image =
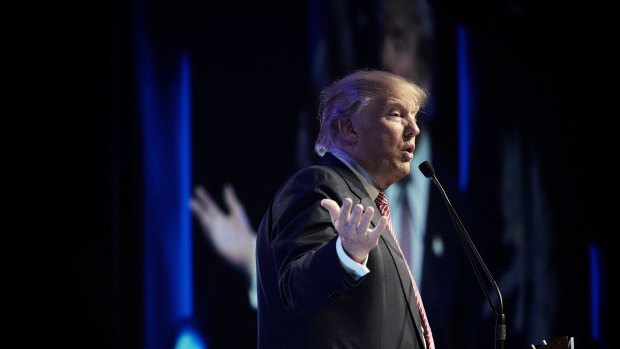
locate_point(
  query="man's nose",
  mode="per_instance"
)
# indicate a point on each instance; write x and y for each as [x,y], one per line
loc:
[412,129]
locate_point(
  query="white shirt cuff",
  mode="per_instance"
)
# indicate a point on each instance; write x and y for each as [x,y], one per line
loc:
[354,268]
[253,292]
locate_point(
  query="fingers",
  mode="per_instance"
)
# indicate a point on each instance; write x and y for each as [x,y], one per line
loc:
[231,200]
[352,221]
[201,194]
[205,210]
[345,212]
[374,233]
[332,207]
[366,218]
[207,201]
[356,218]
[195,206]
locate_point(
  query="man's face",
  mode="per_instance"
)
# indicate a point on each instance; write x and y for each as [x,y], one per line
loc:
[386,132]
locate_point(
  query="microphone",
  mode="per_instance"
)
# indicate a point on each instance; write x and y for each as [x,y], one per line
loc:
[474,258]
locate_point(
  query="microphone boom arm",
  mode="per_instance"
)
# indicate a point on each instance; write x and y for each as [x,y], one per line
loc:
[474,257]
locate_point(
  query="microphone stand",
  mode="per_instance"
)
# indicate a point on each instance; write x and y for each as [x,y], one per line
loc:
[474,258]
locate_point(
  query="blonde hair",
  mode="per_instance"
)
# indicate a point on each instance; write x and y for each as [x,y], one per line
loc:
[350,95]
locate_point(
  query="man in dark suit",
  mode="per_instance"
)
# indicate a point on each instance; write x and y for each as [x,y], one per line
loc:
[330,273]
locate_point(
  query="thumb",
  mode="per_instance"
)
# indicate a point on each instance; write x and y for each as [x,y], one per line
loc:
[333,208]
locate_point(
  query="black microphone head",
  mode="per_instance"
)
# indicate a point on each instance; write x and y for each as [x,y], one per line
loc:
[427,169]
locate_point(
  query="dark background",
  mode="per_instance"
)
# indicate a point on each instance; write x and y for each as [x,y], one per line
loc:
[74,247]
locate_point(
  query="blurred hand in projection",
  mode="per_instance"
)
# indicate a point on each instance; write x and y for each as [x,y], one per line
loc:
[230,233]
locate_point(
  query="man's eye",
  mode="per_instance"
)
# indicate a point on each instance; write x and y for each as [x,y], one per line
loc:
[394,114]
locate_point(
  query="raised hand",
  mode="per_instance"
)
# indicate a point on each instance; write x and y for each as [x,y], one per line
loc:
[231,234]
[353,226]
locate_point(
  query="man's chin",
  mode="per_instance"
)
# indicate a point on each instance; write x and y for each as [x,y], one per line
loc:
[406,170]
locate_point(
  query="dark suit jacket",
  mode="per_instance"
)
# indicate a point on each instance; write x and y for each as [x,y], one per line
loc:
[305,298]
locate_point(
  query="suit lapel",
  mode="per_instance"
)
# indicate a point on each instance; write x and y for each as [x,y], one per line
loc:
[357,188]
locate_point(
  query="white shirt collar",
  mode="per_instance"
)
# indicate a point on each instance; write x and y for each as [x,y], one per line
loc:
[369,183]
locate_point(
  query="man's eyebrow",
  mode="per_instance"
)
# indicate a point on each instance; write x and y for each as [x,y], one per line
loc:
[392,101]
[395,103]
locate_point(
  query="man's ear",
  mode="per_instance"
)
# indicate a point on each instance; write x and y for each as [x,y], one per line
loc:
[347,130]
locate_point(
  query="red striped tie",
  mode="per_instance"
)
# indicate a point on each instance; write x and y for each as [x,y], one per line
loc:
[382,204]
